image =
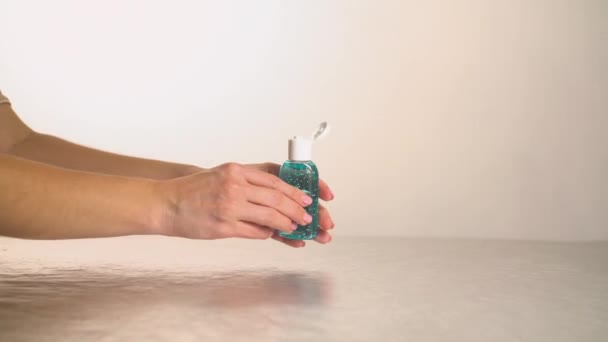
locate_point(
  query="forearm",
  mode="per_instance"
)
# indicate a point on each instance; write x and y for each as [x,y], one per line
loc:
[55,151]
[39,201]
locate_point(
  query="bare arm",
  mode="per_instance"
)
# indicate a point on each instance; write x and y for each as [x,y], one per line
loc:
[53,189]
[19,140]
[41,201]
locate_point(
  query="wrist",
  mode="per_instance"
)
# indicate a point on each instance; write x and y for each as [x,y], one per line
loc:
[186,170]
[164,210]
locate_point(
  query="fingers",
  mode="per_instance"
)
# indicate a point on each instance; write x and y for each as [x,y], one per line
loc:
[278,201]
[323,237]
[266,217]
[325,224]
[249,230]
[267,180]
[325,221]
[325,192]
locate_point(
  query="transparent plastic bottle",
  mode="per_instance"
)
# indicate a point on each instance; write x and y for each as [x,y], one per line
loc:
[301,172]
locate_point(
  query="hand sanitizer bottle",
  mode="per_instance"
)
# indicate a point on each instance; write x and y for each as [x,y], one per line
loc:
[300,171]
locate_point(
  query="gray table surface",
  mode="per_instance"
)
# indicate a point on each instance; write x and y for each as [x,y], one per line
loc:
[355,289]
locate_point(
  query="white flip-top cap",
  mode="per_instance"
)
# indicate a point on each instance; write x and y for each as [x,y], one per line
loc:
[300,148]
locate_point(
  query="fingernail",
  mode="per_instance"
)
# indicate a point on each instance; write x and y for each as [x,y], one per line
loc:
[307,218]
[294,226]
[306,199]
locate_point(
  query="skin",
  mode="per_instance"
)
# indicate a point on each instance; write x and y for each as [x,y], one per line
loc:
[53,189]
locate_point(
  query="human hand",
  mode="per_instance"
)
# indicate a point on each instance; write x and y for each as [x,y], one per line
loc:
[234,200]
[325,221]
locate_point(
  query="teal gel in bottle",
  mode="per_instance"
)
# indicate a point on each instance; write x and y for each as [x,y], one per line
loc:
[301,172]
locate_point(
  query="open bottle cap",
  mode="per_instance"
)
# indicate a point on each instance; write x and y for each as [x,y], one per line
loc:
[300,148]
[321,132]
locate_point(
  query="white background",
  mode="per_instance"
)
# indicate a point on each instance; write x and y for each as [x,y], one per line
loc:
[450,118]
